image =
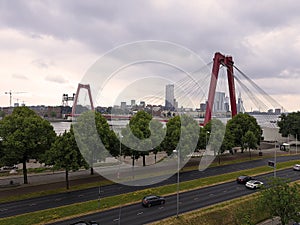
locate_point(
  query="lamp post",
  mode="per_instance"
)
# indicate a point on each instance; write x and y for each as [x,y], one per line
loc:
[275,160]
[120,155]
[207,132]
[177,192]
[296,144]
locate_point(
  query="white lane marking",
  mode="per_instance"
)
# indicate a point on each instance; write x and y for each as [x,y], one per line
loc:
[32,204]
[115,220]
[140,213]
[196,198]
[1,210]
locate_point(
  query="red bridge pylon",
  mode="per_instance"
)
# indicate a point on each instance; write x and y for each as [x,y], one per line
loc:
[227,61]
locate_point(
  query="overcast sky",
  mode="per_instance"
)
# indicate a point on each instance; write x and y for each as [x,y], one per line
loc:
[48,46]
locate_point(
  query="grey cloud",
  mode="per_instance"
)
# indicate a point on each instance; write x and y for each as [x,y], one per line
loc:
[41,63]
[56,79]
[205,27]
[19,76]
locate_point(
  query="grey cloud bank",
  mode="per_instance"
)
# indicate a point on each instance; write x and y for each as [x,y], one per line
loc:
[262,36]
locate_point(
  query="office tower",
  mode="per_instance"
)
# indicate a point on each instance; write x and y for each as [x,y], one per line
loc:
[169,100]
[219,102]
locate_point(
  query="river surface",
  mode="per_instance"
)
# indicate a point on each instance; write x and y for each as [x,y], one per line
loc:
[262,120]
[60,127]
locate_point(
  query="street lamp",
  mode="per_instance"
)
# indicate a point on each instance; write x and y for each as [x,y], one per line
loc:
[207,133]
[177,192]
[275,160]
[120,153]
[296,144]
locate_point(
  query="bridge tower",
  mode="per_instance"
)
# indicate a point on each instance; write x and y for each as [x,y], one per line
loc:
[88,88]
[227,61]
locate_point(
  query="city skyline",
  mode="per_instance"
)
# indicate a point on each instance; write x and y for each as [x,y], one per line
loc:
[47,47]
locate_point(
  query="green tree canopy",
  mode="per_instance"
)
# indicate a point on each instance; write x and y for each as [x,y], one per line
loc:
[238,126]
[136,136]
[94,137]
[289,124]
[64,154]
[182,135]
[25,135]
[281,199]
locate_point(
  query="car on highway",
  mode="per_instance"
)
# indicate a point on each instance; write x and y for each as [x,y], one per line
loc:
[296,167]
[151,200]
[81,222]
[254,184]
[243,179]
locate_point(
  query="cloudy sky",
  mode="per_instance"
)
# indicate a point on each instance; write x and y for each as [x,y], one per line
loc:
[48,46]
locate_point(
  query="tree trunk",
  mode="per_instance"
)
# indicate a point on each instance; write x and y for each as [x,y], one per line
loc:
[155,158]
[92,171]
[67,179]
[25,172]
[133,158]
[144,160]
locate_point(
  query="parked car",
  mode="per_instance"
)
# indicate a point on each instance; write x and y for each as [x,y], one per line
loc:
[151,200]
[254,184]
[82,222]
[296,167]
[243,179]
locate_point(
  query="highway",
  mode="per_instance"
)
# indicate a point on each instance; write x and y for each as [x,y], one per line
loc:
[136,214]
[56,200]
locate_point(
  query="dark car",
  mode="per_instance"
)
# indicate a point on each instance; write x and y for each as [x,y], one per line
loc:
[151,200]
[85,223]
[243,179]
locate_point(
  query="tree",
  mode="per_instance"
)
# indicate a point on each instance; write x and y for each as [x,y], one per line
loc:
[64,154]
[157,136]
[289,124]
[250,141]
[94,137]
[281,199]
[136,136]
[237,128]
[172,135]
[25,135]
[182,134]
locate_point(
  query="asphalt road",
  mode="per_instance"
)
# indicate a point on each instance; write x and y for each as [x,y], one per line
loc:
[56,200]
[136,214]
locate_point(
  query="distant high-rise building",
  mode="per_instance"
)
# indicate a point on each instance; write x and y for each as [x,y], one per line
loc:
[123,105]
[169,101]
[175,105]
[202,107]
[240,106]
[142,104]
[132,102]
[277,111]
[219,102]
[226,104]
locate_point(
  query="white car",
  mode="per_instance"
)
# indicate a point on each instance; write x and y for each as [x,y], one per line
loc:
[296,167]
[253,184]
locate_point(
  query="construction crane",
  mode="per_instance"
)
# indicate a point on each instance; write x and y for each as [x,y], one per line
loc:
[10,93]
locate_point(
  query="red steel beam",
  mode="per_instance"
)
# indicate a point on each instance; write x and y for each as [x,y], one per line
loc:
[228,62]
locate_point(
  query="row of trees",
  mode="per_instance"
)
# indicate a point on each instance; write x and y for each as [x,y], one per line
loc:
[25,135]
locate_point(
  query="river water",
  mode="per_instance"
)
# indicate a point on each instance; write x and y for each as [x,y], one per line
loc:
[60,127]
[262,120]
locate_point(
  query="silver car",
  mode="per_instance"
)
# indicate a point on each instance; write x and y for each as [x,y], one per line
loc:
[254,184]
[296,167]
